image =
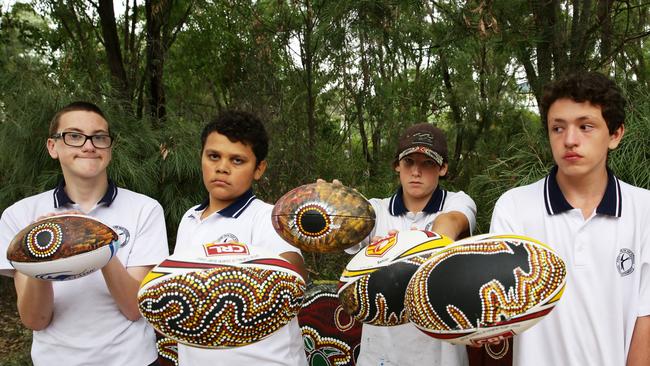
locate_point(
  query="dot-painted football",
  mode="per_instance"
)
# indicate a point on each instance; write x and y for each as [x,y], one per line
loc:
[62,247]
[323,217]
[485,288]
[373,284]
[223,301]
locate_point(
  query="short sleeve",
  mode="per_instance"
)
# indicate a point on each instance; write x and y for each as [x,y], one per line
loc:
[150,245]
[502,219]
[265,235]
[463,203]
[9,227]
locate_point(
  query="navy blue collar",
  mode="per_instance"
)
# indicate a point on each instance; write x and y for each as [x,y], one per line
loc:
[234,209]
[397,207]
[61,198]
[556,203]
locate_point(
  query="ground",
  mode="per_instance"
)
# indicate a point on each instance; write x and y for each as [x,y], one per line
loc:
[15,340]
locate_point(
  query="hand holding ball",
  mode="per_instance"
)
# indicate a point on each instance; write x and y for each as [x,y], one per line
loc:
[62,247]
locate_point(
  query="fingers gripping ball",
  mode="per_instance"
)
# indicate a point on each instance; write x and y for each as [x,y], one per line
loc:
[485,288]
[323,217]
[224,303]
[62,247]
[372,286]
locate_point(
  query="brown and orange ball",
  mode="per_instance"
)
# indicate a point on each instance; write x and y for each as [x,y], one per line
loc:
[323,217]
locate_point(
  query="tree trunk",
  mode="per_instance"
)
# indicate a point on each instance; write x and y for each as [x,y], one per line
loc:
[156,16]
[453,104]
[113,50]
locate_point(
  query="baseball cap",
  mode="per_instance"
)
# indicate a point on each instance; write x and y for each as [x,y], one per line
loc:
[423,138]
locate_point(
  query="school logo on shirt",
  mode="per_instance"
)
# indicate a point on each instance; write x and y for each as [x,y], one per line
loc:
[625,262]
[227,238]
[123,235]
[216,248]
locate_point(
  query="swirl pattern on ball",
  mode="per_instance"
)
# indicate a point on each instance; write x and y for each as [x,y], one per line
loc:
[538,279]
[222,307]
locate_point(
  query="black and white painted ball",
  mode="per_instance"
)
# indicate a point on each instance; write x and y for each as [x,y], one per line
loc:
[373,284]
[485,288]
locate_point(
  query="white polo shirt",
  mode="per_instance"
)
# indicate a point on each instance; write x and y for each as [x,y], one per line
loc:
[405,345]
[608,270]
[87,328]
[247,220]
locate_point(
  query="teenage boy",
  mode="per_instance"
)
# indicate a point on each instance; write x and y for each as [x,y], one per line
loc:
[419,203]
[234,148]
[93,320]
[598,224]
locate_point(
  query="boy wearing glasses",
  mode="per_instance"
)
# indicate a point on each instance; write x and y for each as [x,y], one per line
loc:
[93,320]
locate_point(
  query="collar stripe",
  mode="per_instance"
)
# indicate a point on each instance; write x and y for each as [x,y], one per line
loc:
[435,204]
[61,198]
[547,197]
[611,204]
[234,209]
[248,202]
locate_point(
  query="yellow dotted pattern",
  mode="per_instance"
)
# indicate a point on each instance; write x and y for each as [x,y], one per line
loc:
[224,306]
[44,250]
[546,277]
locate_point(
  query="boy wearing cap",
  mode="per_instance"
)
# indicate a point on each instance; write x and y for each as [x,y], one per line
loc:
[596,223]
[419,203]
[92,320]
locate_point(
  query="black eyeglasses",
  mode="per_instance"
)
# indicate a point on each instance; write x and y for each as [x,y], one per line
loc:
[76,139]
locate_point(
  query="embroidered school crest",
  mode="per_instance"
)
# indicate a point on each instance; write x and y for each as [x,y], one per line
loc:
[625,262]
[123,234]
[227,238]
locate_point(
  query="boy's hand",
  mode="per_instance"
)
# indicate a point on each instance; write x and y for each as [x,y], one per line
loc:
[335,182]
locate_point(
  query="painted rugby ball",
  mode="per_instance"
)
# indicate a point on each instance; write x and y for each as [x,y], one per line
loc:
[323,217]
[225,301]
[485,288]
[331,336]
[373,284]
[62,247]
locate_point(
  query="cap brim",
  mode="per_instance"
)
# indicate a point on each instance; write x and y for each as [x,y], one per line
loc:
[422,150]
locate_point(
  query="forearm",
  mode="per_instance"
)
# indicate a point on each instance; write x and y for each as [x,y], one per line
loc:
[35,301]
[123,285]
[453,224]
[639,354]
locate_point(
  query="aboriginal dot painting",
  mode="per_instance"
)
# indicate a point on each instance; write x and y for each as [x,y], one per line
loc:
[323,217]
[167,350]
[222,307]
[500,280]
[59,237]
[331,336]
[44,240]
[378,299]
[312,220]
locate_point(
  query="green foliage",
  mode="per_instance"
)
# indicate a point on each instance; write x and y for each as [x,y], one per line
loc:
[335,82]
[524,160]
[630,161]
